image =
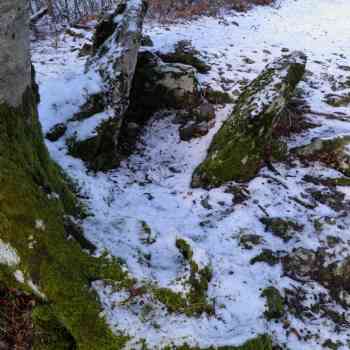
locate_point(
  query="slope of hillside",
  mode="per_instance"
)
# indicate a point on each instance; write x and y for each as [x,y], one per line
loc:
[146,214]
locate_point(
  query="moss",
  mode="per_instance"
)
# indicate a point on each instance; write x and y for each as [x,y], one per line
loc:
[217,97]
[195,302]
[184,248]
[267,256]
[281,228]
[148,236]
[184,53]
[49,334]
[329,344]
[274,303]
[33,224]
[261,342]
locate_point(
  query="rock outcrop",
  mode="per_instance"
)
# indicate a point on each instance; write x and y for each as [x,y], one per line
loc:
[115,51]
[245,140]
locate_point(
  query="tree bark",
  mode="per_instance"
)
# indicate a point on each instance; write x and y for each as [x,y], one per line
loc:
[15,74]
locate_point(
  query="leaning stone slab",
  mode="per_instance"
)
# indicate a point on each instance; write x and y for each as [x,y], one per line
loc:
[239,148]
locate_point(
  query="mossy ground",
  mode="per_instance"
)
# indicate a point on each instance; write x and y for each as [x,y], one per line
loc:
[274,303]
[195,302]
[33,201]
[262,342]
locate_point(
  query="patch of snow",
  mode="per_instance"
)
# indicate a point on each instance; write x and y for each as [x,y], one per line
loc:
[8,255]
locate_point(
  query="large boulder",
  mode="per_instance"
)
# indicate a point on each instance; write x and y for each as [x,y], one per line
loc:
[115,51]
[164,85]
[240,147]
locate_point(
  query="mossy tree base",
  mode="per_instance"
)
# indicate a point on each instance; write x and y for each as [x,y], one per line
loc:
[245,141]
[35,254]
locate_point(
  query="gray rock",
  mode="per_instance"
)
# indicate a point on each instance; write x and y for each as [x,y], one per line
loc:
[115,49]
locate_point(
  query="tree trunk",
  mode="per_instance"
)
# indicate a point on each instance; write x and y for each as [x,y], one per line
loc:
[35,254]
[15,75]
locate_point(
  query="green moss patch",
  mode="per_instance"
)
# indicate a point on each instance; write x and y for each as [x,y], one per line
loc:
[195,302]
[261,342]
[274,303]
[282,228]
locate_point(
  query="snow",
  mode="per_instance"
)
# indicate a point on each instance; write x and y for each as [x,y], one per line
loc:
[8,255]
[146,189]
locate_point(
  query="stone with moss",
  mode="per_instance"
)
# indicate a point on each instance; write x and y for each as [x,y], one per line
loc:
[338,100]
[274,303]
[217,97]
[116,44]
[56,132]
[332,152]
[249,240]
[184,248]
[282,228]
[243,143]
[266,256]
[186,54]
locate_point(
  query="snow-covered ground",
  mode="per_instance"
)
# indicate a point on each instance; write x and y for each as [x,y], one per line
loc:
[152,187]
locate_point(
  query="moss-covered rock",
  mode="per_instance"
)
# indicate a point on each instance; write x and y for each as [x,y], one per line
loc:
[35,252]
[332,152]
[282,228]
[185,53]
[245,140]
[338,100]
[100,151]
[266,256]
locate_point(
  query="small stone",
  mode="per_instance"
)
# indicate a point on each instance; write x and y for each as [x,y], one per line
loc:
[193,130]
[56,132]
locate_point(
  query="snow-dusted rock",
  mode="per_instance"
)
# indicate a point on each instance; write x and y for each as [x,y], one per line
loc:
[239,148]
[115,50]
[165,85]
[333,152]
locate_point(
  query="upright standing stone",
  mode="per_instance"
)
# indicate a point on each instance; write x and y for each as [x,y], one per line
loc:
[238,149]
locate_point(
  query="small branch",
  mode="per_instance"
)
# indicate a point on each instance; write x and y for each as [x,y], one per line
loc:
[37,16]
